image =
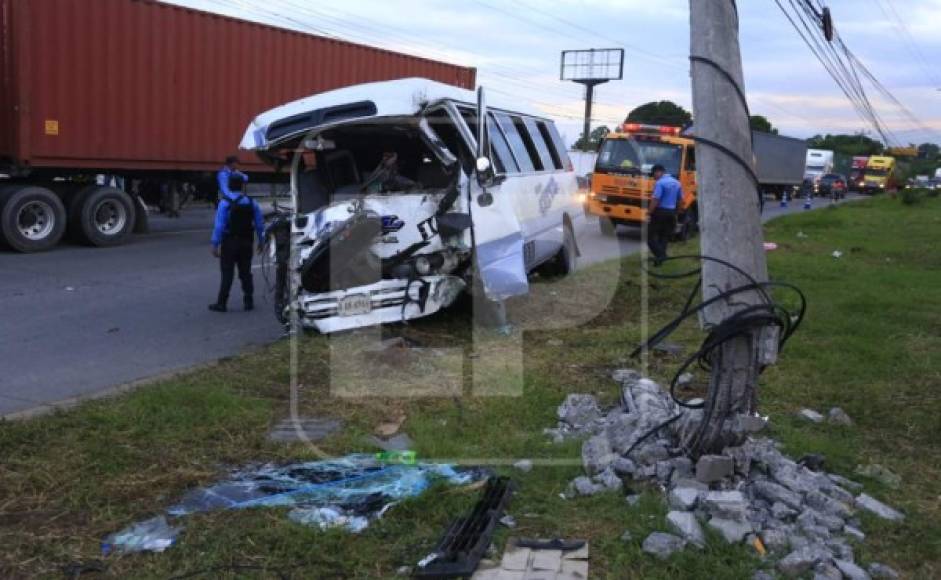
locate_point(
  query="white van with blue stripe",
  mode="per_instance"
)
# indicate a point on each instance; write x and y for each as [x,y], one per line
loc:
[402,200]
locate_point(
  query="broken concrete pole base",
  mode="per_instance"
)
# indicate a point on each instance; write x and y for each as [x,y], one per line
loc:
[805,518]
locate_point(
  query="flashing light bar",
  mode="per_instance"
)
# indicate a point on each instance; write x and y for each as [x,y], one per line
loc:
[641,128]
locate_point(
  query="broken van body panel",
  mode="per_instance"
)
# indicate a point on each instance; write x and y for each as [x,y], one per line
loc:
[391,219]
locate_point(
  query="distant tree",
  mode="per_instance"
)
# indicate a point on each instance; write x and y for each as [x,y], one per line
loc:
[660,113]
[928,151]
[594,139]
[857,144]
[761,123]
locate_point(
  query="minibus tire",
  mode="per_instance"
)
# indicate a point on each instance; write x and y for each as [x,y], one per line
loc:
[607,226]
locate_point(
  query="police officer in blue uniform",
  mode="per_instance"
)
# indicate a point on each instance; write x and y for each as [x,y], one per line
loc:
[667,194]
[238,225]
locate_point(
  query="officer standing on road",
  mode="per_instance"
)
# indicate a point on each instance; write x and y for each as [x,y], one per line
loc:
[238,224]
[667,194]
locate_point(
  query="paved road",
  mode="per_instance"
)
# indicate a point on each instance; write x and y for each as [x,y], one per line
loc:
[79,320]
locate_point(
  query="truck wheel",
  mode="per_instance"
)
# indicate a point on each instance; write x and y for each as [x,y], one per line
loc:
[102,216]
[32,219]
[607,226]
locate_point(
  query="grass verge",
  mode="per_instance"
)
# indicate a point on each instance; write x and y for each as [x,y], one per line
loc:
[869,345]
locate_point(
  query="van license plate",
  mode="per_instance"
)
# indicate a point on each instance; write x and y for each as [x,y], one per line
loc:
[355,304]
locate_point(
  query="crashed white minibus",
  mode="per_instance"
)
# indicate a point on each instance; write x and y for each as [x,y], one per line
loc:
[402,200]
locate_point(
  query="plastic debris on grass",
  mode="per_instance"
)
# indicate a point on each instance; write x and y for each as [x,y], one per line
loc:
[770,246]
[837,254]
[153,535]
[347,492]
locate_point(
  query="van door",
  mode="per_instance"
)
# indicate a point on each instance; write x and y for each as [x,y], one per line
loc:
[498,237]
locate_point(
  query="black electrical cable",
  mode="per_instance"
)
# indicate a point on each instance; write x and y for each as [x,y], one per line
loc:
[747,321]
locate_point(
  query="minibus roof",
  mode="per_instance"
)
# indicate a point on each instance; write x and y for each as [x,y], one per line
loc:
[397,98]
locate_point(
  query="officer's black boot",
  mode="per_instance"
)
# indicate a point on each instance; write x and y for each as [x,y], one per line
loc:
[249,303]
[218,307]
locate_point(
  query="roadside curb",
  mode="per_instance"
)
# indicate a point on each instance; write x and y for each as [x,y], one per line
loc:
[72,402]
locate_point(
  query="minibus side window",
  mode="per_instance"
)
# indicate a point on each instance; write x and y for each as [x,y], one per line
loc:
[540,134]
[517,145]
[502,157]
[529,143]
[559,145]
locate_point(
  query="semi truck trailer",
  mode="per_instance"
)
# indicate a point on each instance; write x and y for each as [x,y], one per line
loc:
[153,97]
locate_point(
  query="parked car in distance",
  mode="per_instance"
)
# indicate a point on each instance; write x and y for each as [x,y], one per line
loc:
[832,184]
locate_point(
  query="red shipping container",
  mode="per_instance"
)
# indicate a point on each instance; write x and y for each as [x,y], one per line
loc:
[139,85]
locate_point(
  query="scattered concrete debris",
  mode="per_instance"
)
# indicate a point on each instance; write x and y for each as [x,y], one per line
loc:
[837,416]
[304,429]
[627,536]
[877,570]
[524,558]
[686,526]
[788,511]
[851,571]
[508,521]
[880,473]
[874,506]
[810,415]
[662,545]
[802,235]
[837,254]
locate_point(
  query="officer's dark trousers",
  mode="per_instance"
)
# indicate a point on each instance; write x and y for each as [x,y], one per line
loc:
[660,231]
[236,253]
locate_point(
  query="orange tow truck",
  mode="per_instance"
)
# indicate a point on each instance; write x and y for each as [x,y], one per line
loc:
[621,186]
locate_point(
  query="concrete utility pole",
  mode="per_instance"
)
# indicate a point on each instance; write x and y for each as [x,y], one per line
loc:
[730,219]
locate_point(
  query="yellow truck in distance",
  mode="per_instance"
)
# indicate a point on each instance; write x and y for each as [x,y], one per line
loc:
[621,185]
[880,175]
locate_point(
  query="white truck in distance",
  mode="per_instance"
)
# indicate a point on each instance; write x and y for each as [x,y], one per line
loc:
[819,162]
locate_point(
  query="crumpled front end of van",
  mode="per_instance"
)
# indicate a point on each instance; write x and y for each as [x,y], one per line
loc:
[377,260]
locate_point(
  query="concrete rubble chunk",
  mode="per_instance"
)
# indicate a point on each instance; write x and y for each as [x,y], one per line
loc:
[810,415]
[726,504]
[691,483]
[629,376]
[686,526]
[840,494]
[801,560]
[579,410]
[583,485]
[683,498]
[851,571]
[877,570]
[841,550]
[828,505]
[609,480]
[782,512]
[662,545]
[597,454]
[682,467]
[827,571]
[777,493]
[874,506]
[650,454]
[627,536]
[624,466]
[776,541]
[844,482]
[712,468]
[853,532]
[837,416]
[732,531]
[664,471]
[623,431]
[632,499]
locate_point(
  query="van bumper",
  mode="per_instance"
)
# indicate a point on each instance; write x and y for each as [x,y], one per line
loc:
[389,300]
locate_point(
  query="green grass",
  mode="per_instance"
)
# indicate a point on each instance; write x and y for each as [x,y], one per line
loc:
[869,344]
